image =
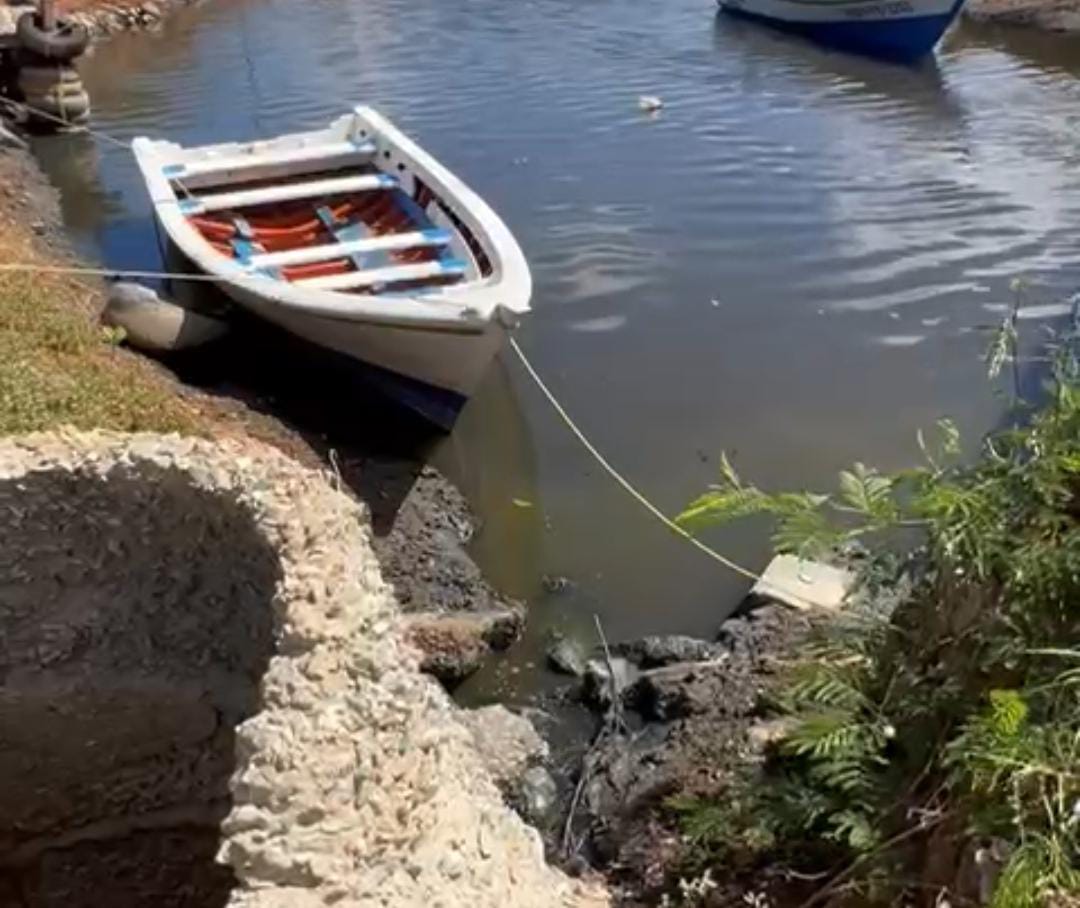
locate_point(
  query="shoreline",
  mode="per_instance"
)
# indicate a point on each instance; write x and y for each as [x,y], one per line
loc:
[1052,16]
[422,523]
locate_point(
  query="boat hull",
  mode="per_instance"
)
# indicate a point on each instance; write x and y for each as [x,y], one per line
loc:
[899,30]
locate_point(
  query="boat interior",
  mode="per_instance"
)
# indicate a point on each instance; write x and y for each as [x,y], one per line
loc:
[328,219]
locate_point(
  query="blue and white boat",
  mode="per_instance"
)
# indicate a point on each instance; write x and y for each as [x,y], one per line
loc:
[900,30]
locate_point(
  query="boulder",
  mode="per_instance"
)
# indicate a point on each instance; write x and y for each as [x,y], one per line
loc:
[453,646]
[567,657]
[507,742]
[654,652]
[679,690]
[154,324]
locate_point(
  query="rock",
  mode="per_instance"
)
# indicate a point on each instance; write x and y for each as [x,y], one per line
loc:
[755,637]
[155,324]
[506,742]
[678,690]
[537,795]
[597,684]
[567,657]
[766,732]
[804,584]
[556,585]
[654,652]
[453,646]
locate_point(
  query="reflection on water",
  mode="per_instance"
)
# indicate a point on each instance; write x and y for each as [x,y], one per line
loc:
[786,263]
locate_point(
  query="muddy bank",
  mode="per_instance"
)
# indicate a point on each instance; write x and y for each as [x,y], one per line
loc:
[1048,15]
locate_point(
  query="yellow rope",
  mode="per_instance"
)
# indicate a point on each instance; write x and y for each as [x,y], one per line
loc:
[111,272]
[628,486]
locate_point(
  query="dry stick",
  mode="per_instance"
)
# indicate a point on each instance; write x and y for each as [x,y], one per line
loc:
[615,716]
[613,724]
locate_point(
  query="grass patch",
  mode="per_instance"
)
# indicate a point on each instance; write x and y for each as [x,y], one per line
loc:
[59,368]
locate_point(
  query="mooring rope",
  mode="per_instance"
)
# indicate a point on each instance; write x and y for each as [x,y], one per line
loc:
[625,483]
[548,394]
[67,124]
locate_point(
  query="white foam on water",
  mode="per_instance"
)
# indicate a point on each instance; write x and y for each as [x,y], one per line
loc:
[598,325]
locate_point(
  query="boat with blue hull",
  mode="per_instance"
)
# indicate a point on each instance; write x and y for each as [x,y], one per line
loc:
[899,30]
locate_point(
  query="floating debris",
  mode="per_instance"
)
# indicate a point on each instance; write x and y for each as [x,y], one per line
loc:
[650,103]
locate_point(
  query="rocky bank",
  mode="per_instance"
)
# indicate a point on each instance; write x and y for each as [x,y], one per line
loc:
[683,717]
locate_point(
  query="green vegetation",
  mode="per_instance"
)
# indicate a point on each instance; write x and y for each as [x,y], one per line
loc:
[933,750]
[58,368]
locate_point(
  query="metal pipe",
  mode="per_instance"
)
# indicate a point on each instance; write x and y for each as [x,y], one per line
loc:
[47,11]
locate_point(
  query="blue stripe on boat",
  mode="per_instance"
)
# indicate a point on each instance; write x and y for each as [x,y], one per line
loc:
[173,170]
[453,266]
[189,205]
[343,231]
[420,217]
[899,40]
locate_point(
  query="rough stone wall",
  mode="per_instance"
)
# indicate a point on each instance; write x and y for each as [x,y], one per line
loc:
[181,621]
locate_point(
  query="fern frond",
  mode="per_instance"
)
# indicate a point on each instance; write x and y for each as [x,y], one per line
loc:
[719,506]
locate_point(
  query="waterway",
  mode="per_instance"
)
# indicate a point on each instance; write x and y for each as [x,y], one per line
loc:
[794,261]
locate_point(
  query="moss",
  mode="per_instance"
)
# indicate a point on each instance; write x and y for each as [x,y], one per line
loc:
[57,367]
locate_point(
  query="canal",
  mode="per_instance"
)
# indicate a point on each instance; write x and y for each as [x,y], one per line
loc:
[794,262]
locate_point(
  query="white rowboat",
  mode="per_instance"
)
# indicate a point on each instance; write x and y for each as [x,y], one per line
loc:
[355,239]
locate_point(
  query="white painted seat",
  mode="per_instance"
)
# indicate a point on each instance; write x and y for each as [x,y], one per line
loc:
[245,198]
[251,163]
[390,275]
[392,241]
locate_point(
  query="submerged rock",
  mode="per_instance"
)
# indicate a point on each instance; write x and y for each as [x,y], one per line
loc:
[537,795]
[157,325]
[567,657]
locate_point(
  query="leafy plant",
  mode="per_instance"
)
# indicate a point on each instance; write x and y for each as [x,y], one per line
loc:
[946,717]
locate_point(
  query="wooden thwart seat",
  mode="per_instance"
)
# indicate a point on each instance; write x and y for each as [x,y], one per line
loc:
[387,243]
[246,198]
[390,275]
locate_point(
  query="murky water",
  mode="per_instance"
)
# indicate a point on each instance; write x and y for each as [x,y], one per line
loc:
[788,263]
